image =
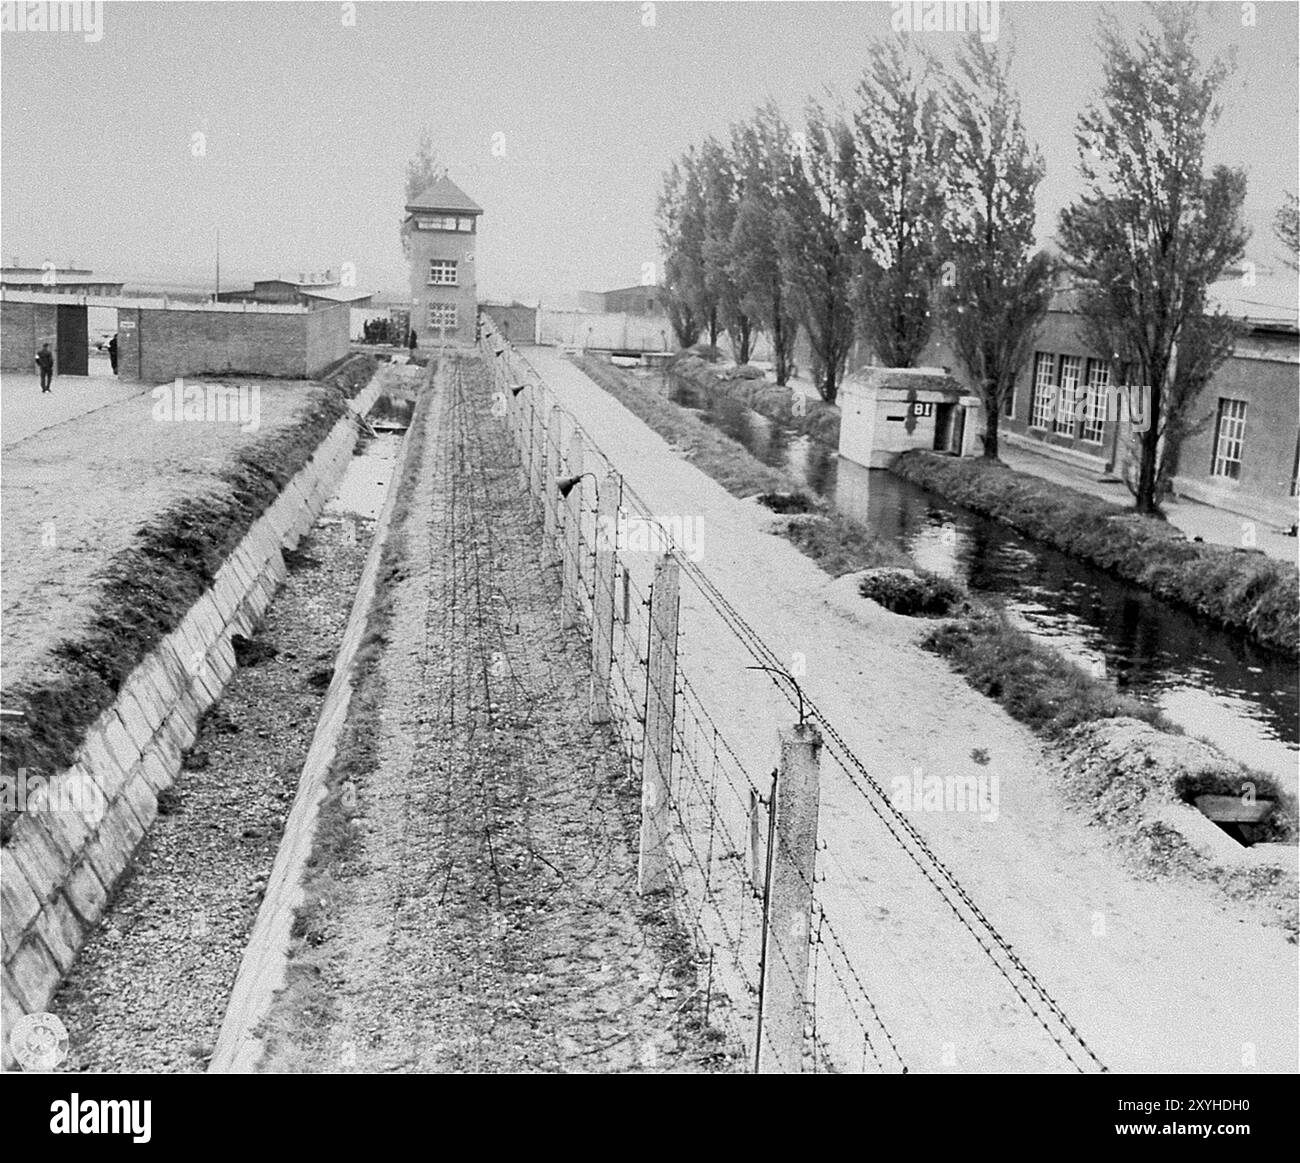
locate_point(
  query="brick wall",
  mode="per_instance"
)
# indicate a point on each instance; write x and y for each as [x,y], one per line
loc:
[155,345]
[328,333]
[23,328]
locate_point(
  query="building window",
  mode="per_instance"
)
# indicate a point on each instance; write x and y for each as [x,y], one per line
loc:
[1094,415]
[1228,438]
[443,317]
[442,272]
[465,225]
[1044,389]
[1067,394]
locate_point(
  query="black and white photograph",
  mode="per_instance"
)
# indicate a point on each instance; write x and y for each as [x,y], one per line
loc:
[650,537]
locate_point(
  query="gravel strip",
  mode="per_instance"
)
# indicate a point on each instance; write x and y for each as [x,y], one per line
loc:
[149,990]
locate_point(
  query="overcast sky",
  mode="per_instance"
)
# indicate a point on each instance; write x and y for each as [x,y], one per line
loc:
[308,124]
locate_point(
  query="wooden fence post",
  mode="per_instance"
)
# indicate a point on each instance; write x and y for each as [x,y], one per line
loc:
[660,701]
[608,499]
[791,862]
[573,591]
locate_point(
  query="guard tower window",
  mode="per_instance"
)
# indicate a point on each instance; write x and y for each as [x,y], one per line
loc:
[442,272]
[443,316]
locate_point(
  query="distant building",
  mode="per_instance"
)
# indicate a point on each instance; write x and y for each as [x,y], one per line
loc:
[638,300]
[57,280]
[1245,455]
[307,290]
[441,229]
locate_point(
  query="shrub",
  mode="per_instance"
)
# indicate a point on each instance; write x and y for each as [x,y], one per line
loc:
[913,592]
[1045,691]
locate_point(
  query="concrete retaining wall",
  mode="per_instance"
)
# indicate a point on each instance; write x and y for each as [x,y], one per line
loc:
[61,866]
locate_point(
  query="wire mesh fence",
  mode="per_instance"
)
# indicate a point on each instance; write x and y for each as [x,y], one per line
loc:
[732,833]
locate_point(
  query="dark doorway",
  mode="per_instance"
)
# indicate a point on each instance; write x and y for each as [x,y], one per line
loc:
[73,345]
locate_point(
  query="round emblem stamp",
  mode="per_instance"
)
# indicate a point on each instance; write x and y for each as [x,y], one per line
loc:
[38,1041]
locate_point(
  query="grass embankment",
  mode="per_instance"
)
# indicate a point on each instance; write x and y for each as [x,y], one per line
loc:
[1036,685]
[144,591]
[812,418]
[1244,591]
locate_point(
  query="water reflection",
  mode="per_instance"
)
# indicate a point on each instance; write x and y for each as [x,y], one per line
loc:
[1213,683]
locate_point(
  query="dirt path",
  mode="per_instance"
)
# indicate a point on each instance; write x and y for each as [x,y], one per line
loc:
[492,922]
[1156,976]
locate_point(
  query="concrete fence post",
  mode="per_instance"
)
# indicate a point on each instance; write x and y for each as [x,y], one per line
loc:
[573,584]
[660,704]
[791,863]
[527,433]
[608,499]
[537,456]
[551,496]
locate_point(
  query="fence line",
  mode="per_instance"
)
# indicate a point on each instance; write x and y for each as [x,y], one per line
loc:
[738,847]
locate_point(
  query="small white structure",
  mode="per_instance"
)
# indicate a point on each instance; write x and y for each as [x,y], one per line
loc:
[888,411]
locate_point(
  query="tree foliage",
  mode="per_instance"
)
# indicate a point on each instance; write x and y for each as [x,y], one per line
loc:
[995,293]
[901,148]
[1153,229]
[422,171]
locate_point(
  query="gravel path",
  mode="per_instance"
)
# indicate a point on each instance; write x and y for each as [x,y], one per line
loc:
[491,922]
[149,989]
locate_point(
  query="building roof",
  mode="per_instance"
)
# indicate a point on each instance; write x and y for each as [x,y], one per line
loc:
[635,288]
[336,294]
[1268,303]
[19,271]
[444,194]
[900,382]
[25,277]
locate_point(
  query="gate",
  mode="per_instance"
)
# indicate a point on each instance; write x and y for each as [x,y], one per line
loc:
[72,345]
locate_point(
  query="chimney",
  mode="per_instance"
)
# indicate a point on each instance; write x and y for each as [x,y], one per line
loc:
[302,276]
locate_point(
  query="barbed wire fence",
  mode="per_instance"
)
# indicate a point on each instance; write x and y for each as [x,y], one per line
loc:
[736,844]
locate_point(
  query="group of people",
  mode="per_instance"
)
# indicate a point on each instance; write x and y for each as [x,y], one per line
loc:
[385,330]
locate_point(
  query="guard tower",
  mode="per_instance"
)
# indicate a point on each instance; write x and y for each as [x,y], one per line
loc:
[441,226]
